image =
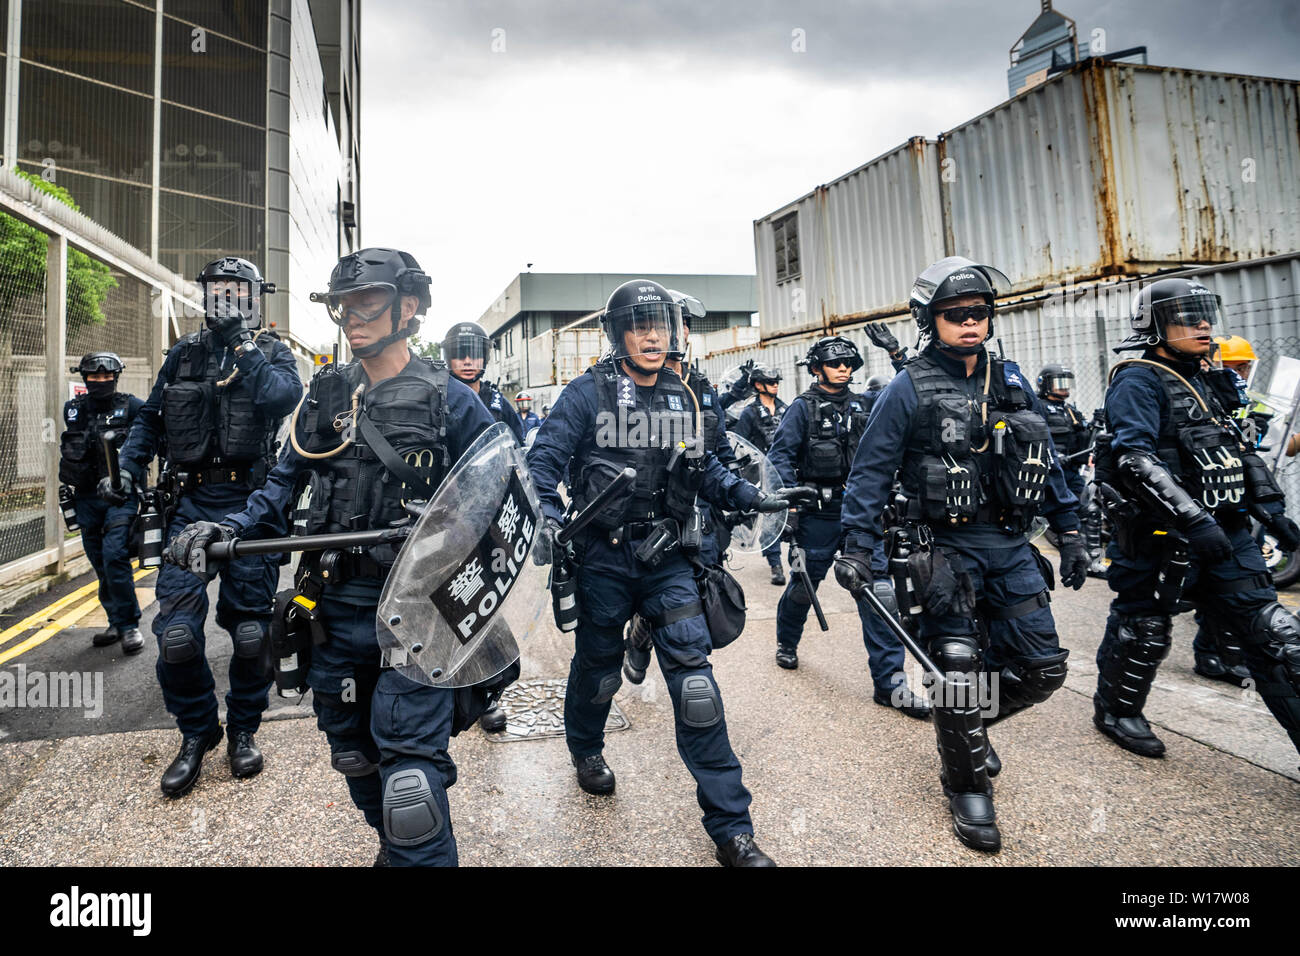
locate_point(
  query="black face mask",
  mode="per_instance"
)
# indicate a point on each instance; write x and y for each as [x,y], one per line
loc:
[98,391]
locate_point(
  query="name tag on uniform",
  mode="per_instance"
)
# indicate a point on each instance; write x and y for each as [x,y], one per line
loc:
[675,402]
[707,401]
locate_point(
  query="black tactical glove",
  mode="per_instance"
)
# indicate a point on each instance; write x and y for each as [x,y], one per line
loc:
[1074,560]
[1285,531]
[195,538]
[106,491]
[798,495]
[881,337]
[768,503]
[791,526]
[1208,540]
[546,548]
[233,332]
[853,571]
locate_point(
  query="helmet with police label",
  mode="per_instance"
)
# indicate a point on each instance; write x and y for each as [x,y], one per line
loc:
[833,348]
[1181,303]
[1054,378]
[950,278]
[641,320]
[877,382]
[465,349]
[374,281]
[232,288]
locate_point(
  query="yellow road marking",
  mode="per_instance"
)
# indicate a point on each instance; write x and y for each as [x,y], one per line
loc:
[44,615]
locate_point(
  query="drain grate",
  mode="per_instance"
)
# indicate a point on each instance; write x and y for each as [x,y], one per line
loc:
[535,708]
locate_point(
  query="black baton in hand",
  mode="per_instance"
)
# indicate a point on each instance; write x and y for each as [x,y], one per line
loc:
[799,566]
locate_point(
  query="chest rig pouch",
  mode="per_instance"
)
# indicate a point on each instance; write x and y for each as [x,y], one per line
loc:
[633,433]
[835,426]
[1197,444]
[939,470]
[81,456]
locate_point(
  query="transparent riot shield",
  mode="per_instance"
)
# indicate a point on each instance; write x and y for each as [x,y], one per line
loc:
[465,588]
[1281,397]
[760,531]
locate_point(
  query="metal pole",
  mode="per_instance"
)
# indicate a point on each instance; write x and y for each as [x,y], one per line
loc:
[56,345]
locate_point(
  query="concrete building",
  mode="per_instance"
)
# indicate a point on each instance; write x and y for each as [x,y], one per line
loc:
[195,129]
[536,303]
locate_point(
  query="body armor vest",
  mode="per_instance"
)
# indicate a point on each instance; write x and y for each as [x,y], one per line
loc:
[355,490]
[210,418]
[700,385]
[985,458]
[835,426]
[1196,443]
[491,396]
[81,458]
[1069,432]
[633,432]
[767,423]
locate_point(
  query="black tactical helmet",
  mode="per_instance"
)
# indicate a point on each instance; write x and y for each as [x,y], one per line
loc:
[467,340]
[245,304]
[641,305]
[765,374]
[93,362]
[692,308]
[877,382]
[828,348]
[951,278]
[1164,302]
[394,272]
[1054,378]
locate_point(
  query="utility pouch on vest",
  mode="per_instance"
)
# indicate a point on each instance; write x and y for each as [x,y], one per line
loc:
[187,417]
[685,476]
[1021,467]
[1260,484]
[948,491]
[825,460]
[1212,466]
[242,431]
[596,475]
[951,424]
[943,590]
[76,461]
[658,543]
[724,605]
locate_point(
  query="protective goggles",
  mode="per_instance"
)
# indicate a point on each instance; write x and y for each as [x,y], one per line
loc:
[962,314]
[368,304]
[467,347]
[1058,383]
[99,364]
[1189,311]
[835,363]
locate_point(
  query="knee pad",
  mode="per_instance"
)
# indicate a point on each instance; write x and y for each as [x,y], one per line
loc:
[1025,682]
[701,704]
[1277,633]
[607,688]
[1145,640]
[411,815]
[884,592]
[248,639]
[352,763]
[179,644]
[956,654]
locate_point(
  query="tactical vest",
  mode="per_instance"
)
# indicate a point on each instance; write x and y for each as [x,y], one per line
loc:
[640,434]
[835,426]
[356,489]
[959,466]
[491,396]
[1069,434]
[81,459]
[1197,443]
[702,388]
[210,418]
[767,423]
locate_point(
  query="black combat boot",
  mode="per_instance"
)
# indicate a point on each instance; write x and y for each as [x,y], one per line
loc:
[1132,733]
[109,636]
[778,577]
[594,775]
[903,700]
[787,657]
[179,778]
[741,850]
[245,758]
[493,719]
[132,641]
[1216,668]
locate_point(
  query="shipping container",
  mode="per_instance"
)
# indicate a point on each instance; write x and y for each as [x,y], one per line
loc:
[735,336]
[558,357]
[1122,169]
[852,247]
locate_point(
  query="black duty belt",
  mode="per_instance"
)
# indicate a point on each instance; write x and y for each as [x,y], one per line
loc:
[632,530]
[237,473]
[364,566]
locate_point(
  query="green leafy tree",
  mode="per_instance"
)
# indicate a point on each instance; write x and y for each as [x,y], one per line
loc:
[425,347]
[22,286]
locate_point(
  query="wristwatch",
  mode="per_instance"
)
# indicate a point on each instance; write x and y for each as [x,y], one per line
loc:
[246,348]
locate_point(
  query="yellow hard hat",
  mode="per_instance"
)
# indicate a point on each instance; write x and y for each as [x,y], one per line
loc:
[1235,349]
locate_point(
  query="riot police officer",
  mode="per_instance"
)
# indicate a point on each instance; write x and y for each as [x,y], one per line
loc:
[814,446]
[966,437]
[104,514]
[1069,428]
[465,349]
[367,436]
[524,405]
[629,410]
[757,425]
[1181,484]
[216,406]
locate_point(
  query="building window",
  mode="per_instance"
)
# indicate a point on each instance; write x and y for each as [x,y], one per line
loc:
[785,243]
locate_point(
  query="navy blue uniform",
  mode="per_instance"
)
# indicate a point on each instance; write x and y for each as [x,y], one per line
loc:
[398,727]
[1069,435]
[1003,569]
[501,410]
[717,536]
[247,585]
[819,534]
[613,585]
[757,426]
[105,527]
[530,421]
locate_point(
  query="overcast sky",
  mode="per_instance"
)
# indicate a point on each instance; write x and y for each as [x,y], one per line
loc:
[611,137]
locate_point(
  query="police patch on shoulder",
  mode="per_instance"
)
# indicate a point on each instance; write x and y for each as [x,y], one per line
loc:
[496,400]
[707,401]
[626,392]
[72,413]
[675,402]
[1011,373]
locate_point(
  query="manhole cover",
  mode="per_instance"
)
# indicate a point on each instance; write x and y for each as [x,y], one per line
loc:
[535,708]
